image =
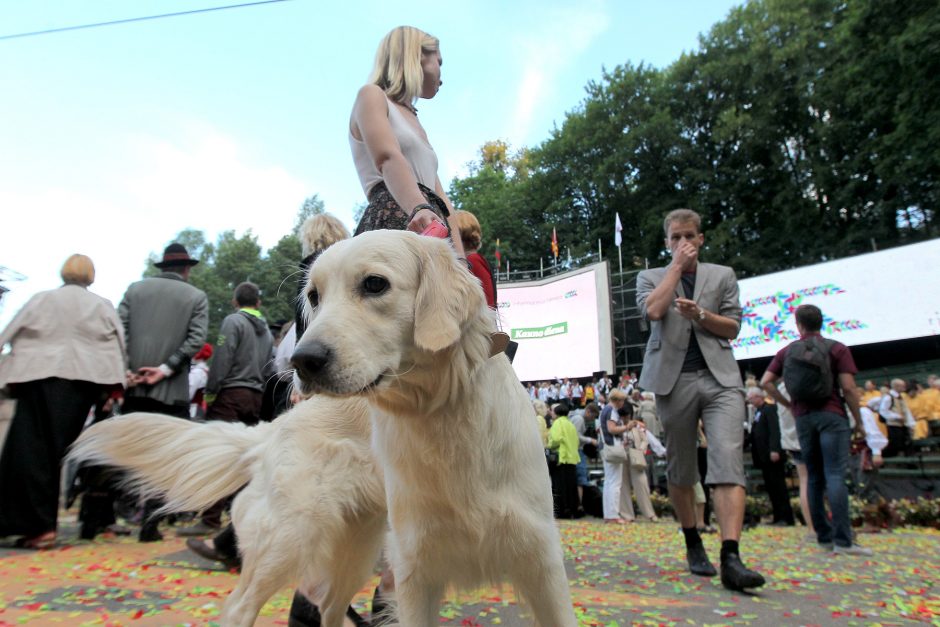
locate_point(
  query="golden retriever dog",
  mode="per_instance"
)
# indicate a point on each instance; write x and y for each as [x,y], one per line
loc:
[412,424]
[312,513]
[397,319]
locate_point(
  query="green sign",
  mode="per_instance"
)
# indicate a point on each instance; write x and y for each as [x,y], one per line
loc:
[533,333]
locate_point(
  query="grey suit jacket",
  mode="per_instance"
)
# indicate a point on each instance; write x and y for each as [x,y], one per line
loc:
[166,321]
[716,289]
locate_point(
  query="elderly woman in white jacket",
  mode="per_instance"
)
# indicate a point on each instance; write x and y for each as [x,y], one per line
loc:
[67,352]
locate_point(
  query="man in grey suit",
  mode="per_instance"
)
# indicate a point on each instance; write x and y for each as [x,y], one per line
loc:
[166,321]
[694,312]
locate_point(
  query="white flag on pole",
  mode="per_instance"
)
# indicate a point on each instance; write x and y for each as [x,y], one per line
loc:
[618,239]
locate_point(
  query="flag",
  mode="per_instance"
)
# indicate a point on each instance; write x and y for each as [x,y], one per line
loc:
[554,243]
[569,255]
[498,257]
[618,239]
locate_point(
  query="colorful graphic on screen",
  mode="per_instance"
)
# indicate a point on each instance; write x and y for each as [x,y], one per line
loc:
[764,319]
[877,297]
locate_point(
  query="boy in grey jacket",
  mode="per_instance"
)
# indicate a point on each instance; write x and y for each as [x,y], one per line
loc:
[243,361]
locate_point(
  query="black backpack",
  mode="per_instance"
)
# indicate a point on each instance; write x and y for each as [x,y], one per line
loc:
[807,371]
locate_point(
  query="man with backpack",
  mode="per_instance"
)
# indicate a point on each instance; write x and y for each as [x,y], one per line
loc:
[819,375]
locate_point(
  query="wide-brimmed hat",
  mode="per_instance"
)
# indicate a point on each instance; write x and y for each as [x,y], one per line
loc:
[175,255]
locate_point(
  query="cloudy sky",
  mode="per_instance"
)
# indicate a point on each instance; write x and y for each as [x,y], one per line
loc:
[114,139]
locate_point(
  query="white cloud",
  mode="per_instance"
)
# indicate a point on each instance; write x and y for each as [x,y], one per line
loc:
[547,48]
[209,182]
[205,181]
[49,226]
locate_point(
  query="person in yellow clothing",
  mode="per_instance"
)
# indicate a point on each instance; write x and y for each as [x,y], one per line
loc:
[541,419]
[932,401]
[871,391]
[563,437]
[918,404]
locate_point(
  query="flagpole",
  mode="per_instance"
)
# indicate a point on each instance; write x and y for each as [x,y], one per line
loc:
[600,255]
[541,267]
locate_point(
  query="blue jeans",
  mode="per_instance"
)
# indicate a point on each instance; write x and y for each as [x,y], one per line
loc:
[581,469]
[824,444]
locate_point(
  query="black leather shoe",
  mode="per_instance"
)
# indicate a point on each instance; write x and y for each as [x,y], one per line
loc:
[149,533]
[380,612]
[357,620]
[202,549]
[699,564]
[736,576]
[303,613]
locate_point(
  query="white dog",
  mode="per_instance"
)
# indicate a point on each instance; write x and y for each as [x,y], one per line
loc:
[396,320]
[312,513]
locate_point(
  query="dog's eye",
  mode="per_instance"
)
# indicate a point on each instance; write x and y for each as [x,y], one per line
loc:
[314,297]
[374,285]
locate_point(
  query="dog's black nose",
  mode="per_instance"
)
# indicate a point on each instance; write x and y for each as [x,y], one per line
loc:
[309,358]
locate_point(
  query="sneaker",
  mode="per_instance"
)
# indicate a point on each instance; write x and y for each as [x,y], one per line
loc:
[699,564]
[855,550]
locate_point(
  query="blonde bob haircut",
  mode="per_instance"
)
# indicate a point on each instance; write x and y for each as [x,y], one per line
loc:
[541,409]
[319,232]
[617,395]
[397,68]
[78,270]
[470,232]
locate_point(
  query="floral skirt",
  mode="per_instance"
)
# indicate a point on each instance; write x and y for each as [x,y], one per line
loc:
[384,212]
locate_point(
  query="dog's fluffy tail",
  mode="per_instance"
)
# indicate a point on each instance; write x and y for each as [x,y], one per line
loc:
[191,465]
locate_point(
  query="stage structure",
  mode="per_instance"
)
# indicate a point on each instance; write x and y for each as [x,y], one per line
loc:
[883,304]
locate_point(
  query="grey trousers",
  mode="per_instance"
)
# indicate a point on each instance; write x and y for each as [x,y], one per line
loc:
[697,395]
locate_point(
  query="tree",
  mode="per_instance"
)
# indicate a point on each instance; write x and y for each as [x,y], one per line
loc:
[311,206]
[494,193]
[801,130]
[278,279]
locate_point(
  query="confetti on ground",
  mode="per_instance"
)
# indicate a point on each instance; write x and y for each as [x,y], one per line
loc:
[619,575]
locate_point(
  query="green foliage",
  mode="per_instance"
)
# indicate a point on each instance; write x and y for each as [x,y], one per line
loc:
[312,206]
[922,511]
[801,130]
[233,259]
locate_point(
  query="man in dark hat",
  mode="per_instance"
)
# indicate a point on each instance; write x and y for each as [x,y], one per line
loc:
[166,321]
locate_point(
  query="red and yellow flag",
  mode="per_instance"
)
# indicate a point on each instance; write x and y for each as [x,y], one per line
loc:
[554,243]
[498,256]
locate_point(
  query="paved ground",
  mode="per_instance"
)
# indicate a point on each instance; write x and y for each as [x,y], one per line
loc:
[619,576]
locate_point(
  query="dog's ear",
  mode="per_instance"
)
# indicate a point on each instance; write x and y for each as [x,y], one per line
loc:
[447,296]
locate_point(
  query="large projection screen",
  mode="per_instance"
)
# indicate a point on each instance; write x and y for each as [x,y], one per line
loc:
[877,297]
[562,324]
